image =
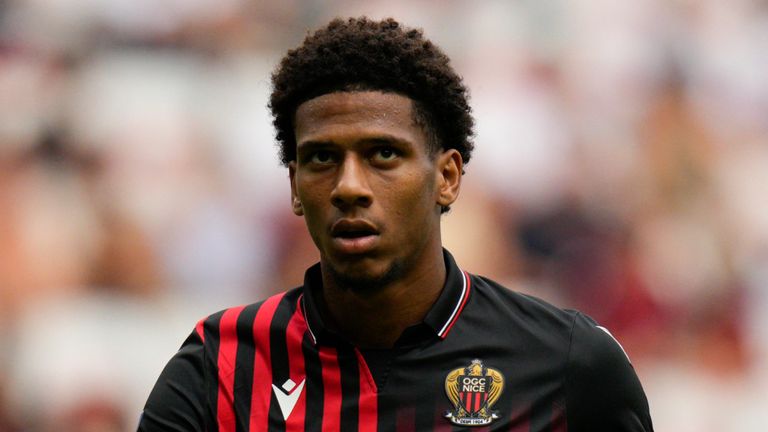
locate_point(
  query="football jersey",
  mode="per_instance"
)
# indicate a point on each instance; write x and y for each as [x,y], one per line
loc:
[484,357]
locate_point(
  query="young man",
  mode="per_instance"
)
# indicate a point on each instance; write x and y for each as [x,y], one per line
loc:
[387,333]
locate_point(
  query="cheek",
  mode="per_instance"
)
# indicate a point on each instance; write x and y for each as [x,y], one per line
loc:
[311,197]
[313,218]
[311,192]
[414,197]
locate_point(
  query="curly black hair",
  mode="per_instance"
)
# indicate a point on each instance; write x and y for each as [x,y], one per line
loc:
[362,54]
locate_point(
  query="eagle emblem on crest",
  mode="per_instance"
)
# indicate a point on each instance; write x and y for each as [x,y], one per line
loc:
[473,390]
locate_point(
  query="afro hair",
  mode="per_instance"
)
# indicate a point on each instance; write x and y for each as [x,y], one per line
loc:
[362,54]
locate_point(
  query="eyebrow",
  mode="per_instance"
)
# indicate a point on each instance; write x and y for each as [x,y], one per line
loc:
[372,140]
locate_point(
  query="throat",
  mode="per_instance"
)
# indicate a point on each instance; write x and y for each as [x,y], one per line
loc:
[370,305]
[376,317]
[370,324]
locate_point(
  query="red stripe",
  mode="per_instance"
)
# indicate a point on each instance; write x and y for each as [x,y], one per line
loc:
[367,417]
[331,389]
[294,337]
[468,401]
[406,420]
[461,307]
[441,423]
[477,402]
[559,422]
[262,365]
[520,420]
[200,330]
[225,363]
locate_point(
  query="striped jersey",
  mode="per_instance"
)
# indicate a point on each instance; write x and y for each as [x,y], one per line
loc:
[484,357]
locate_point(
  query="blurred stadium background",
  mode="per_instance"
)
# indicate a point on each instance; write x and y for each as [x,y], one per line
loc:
[621,168]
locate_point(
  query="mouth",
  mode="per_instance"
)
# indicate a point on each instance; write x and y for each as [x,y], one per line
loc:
[354,236]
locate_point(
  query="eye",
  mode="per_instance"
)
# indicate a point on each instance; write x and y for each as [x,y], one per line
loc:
[322,157]
[385,154]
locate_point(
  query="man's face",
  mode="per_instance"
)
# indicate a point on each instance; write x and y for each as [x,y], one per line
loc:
[367,185]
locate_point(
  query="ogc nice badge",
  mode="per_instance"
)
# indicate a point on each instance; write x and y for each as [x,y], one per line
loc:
[473,390]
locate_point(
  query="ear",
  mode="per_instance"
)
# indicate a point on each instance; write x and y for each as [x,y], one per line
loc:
[298,210]
[450,165]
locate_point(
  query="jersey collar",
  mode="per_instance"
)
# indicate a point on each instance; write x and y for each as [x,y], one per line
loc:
[437,323]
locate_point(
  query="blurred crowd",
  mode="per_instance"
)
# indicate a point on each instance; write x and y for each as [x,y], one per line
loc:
[621,168]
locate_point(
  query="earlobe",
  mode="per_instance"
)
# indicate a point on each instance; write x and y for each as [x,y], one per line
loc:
[298,210]
[449,169]
[296,206]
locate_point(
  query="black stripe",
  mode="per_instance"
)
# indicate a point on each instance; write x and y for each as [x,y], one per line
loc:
[278,348]
[541,415]
[425,413]
[504,404]
[246,352]
[313,419]
[211,333]
[388,403]
[350,388]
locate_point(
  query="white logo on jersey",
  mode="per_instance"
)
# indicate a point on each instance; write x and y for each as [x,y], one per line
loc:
[288,396]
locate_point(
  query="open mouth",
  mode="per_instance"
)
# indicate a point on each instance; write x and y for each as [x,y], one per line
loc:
[351,229]
[354,236]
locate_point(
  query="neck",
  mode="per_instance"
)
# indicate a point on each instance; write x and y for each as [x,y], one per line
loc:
[377,318]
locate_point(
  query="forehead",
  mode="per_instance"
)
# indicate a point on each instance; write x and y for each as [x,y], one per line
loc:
[356,112]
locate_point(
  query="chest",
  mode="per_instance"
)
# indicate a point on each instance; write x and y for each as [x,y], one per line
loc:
[478,385]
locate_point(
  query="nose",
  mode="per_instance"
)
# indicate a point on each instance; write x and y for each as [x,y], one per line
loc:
[352,187]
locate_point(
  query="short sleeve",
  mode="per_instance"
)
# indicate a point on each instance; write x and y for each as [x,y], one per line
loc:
[603,392]
[177,402]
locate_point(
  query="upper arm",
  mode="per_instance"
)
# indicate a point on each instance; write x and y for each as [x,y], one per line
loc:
[603,392]
[177,402]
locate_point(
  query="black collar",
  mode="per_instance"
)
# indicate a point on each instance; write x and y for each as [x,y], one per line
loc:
[436,324]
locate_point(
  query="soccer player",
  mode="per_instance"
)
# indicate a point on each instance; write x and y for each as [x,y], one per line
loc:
[387,332]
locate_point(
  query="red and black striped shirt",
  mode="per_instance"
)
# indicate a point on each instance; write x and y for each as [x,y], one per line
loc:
[483,356]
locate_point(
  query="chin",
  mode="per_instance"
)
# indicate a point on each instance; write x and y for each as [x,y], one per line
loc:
[363,280]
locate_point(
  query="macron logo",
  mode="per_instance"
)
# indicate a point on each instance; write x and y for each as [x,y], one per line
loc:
[288,395]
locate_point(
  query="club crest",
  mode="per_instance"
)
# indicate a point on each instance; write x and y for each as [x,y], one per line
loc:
[473,390]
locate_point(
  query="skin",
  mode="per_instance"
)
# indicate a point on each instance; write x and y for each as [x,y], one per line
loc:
[370,191]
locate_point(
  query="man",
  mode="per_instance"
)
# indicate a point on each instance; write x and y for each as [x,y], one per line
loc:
[387,333]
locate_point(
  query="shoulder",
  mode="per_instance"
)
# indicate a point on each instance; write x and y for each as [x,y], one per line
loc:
[246,318]
[603,391]
[526,311]
[593,347]
[592,341]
